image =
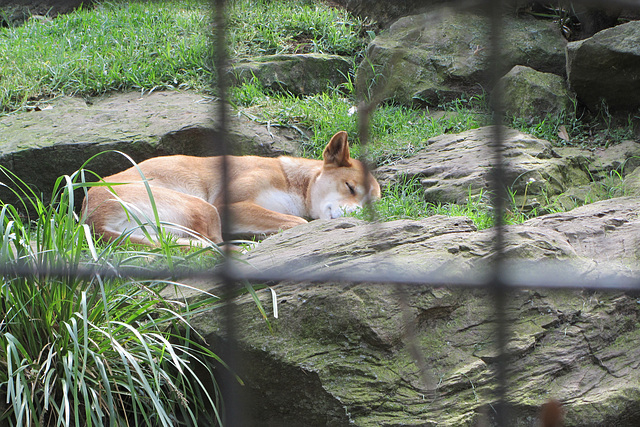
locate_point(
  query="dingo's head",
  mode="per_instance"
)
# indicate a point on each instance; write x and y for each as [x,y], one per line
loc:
[343,185]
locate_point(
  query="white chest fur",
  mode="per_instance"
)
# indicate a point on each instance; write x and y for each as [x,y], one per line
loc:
[282,202]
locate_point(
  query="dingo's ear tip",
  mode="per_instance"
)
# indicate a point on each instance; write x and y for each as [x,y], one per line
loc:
[337,150]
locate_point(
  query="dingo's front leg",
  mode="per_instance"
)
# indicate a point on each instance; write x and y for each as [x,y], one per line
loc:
[251,219]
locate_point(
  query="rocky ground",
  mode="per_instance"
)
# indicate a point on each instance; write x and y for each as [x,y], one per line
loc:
[347,350]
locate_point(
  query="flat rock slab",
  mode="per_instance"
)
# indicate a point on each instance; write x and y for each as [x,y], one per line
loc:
[592,242]
[301,74]
[39,146]
[455,167]
[348,349]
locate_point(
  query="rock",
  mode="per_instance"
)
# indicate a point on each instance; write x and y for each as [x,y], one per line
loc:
[39,146]
[435,57]
[615,76]
[301,74]
[453,246]
[386,12]
[605,231]
[341,354]
[580,195]
[631,184]
[593,19]
[531,95]
[621,158]
[453,168]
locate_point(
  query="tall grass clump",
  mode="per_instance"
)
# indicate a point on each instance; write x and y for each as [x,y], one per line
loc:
[80,349]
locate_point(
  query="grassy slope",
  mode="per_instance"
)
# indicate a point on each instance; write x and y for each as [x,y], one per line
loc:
[156,45]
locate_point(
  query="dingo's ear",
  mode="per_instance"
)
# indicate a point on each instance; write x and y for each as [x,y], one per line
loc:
[337,151]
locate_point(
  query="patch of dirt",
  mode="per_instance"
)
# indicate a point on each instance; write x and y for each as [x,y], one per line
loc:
[16,12]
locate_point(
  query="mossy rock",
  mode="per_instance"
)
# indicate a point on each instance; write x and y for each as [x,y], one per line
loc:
[532,95]
[301,74]
[436,57]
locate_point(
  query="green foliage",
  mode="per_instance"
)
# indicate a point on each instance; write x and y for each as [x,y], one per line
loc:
[571,128]
[147,46]
[90,349]
[116,46]
[396,131]
[265,27]
[404,199]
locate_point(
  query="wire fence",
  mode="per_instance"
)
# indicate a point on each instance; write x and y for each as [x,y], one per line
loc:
[503,275]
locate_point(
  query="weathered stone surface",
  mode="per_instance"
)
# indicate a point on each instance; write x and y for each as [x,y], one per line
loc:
[532,95]
[39,146]
[622,158]
[347,350]
[439,56]
[605,231]
[611,170]
[631,183]
[606,67]
[454,167]
[301,74]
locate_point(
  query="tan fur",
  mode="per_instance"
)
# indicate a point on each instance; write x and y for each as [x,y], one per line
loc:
[266,195]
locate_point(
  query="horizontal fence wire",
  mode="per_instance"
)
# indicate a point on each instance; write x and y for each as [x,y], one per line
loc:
[561,274]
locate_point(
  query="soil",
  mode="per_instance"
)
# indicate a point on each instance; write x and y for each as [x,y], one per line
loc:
[16,12]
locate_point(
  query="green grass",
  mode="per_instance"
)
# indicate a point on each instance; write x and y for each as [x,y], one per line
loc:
[396,131]
[266,27]
[91,349]
[405,200]
[578,129]
[146,46]
[116,46]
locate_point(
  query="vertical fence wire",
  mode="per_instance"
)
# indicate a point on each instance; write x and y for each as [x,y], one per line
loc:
[496,286]
[230,388]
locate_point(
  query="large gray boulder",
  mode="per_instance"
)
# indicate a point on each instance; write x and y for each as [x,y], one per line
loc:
[436,57]
[532,95]
[343,354]
[606,67]
[454,168]
[301,74]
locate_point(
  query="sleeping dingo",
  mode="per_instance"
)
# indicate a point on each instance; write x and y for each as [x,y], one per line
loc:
[266,195]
